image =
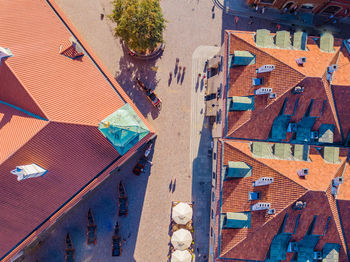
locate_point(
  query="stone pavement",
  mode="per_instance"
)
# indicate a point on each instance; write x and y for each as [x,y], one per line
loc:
[314,24]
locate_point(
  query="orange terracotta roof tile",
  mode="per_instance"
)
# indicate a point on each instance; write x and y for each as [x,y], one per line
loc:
[341,76]
[320,175]
[320,210]
[316,60]
[16,129]
[68,171]
[282,80]
[66,90]
[13,92]
[74,95]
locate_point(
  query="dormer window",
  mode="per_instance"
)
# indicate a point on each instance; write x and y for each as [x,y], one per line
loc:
[28,171]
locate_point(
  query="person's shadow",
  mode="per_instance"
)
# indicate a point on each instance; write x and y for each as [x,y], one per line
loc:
[174,186]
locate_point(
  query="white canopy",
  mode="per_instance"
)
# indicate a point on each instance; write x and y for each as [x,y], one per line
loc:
[182,213]
[181,239]
[181,256]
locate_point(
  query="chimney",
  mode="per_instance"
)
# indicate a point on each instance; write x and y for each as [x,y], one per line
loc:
[332,68]
[303,172]
[300,40]
[337,181]
[263,181]
[327,42]
[301,60]
[283,39]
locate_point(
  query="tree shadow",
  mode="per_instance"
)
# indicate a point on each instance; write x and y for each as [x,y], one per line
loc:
[132,68]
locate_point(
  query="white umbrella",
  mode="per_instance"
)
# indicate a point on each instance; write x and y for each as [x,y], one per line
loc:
[181,239]
[181,256]
[182,213]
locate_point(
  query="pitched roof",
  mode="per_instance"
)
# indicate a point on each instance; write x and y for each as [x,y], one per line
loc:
[50,109]
[319,218]
[66,90]
[317,94]
[341,76]
[72,154]
[16,129]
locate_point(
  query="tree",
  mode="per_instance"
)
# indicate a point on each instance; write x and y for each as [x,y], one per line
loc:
[140,23]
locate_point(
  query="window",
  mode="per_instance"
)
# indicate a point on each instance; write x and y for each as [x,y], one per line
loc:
[214,156]
[212,213]
[213,197]
[211,232]
[307,7]
[213,175]
[331,10]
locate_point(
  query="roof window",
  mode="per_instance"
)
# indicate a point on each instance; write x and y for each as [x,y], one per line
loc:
[4,53]
[28,171]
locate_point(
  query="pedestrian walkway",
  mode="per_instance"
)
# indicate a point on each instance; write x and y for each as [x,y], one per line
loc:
[306,21]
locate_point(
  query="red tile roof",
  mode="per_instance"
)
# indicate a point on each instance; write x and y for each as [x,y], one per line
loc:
[286,75]
[286,189]
[16,129]
[341,95]
[66,90]
[72,97]
[341,76]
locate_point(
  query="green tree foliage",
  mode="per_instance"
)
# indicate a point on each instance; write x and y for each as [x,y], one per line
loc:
[140,23]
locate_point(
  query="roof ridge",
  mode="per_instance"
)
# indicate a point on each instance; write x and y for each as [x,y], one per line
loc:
[27,91]
[330,98]
[336,217]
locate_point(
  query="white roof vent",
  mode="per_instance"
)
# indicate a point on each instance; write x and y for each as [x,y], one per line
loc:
[4,53]
[303,172]
[263,91]
[298,89]
[299,205]
[271,211]
[332,68]
[28,171]
[263,181]
[260,206]
[301,60]
[265,68]
[338,181]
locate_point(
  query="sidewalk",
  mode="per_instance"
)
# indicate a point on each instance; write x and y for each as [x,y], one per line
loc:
[309,22]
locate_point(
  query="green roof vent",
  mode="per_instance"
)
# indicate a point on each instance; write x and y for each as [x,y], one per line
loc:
[241,103]
[331,154]
[240,58]
[237,220]
[263,38]
[282,150]
[301,152]
[283,39]
[238,170]
[260,149]
[300,40]
[327,42]
[123,129]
